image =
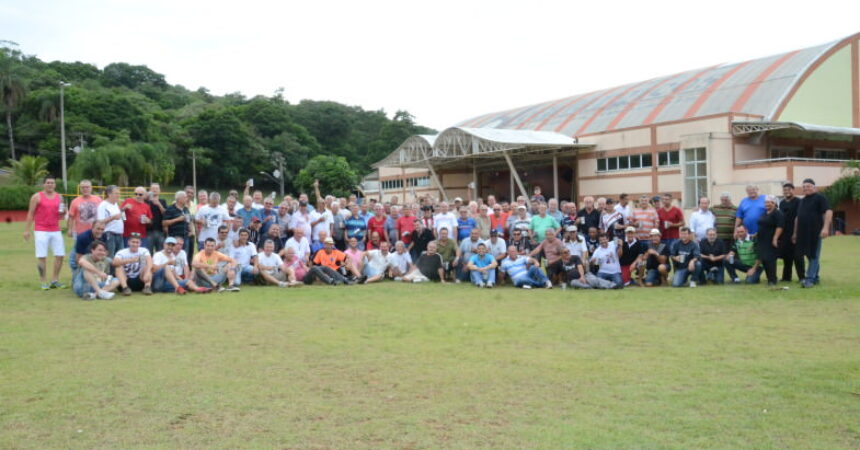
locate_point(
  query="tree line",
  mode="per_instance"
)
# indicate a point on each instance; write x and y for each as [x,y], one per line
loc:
[130,126]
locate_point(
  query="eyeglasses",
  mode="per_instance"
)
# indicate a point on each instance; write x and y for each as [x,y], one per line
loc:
[138,194]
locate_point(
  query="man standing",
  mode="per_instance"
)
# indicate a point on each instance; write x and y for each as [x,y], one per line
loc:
[46,208]
[176,221]
[543,222]
[109,213]
[645,219]
[138,216]
[405,226]
[625,208]
[588,216]
[811,227]
[702,219]
[686,258]
[210,217]
[133,266]
[157,207]
[750,210]
[671,220]
[356,226]
[787,250]
[499,220]
[465,225]
[82,211]
[248,212]
[724,218]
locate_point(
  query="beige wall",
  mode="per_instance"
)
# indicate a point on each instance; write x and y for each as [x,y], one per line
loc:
[673,133]
[640,137]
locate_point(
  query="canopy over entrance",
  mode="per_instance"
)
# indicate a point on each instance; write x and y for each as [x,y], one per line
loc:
[794,130]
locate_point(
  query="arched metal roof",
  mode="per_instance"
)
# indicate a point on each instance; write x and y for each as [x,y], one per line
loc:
[755,87]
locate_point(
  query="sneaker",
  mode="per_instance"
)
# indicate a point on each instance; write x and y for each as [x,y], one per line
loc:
[202,290]
[126,291]
[398,278]
[295,283]
[457,281]
[283,284]
[548,284]
[736,281]
[692,284]
[147,290]
[233,288]
[180,290]
[105,295]
[527,286]
[481,284]
[58,285]
[489,285]
[46,287]
[89,296]
[221,289]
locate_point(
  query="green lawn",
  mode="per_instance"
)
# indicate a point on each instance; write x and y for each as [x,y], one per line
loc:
[428,366]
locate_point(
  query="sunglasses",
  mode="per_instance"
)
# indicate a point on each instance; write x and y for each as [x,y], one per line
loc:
[138,194]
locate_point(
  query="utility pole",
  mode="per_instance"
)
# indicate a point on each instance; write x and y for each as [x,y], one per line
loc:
[279,160]
[194,168]
[63,84]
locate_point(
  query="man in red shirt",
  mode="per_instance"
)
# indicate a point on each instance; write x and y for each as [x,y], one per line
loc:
[377,223]
[405,227]
[82,211]
[499,220]
[671,220]
[138,215]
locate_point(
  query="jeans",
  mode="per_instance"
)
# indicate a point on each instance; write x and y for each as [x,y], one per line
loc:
[325,274]
[114,243]
[156,240]
[683,273]
[713,272]
[534,277]
[751,279]
[488,277]
[615,278]
[814,265]
[593,282]
[243,273]
[652,277]
[81,287]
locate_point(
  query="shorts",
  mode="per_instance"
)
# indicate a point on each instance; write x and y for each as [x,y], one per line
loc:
[135,284]
[278,275]
[49,239]
[370,271]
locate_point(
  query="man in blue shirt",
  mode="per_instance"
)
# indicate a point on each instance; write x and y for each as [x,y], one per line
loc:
[482,267]
[750,210]
[248,212]
[524,271]
[356,226]
[83,242]
[465,224]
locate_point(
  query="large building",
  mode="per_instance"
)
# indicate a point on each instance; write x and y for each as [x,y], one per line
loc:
[765,121]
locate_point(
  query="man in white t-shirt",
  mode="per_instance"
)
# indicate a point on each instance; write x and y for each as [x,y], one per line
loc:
[108,212]
[133,266]
[300,244]
[399,262]
[170,270]
[245,254]
[445,219]
[607,255]
[376,263]
[302,219]
[210,217]
[270,267]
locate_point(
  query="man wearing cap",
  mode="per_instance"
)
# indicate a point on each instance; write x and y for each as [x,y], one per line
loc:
[496,246]
[750,210]
[327,266]
[655,270]
[811,227]
[521,221]
[575,242]
[170,270]
[724,219]
[499,221]
[632,256]
[702,219]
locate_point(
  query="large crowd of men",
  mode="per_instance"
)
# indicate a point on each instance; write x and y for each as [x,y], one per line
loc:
[147,244]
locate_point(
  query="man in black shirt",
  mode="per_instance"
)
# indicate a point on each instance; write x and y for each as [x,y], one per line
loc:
[713,252]
[787,250]
[589,216]
[83,243]
[155,233]
[428,267]
[421,236]
[175,222]
[634,250]
[811,227]
[655,270]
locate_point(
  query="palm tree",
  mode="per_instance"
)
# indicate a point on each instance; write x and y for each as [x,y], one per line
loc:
[13,90]
[846,187]
[29,170]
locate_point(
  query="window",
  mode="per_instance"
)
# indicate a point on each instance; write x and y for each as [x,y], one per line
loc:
[831,153]
[786,152]
[668,158]
[695,175]
[627,162]
[418,182]
[392,184]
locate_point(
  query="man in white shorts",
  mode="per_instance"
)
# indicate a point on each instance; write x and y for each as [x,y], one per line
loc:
[46,209]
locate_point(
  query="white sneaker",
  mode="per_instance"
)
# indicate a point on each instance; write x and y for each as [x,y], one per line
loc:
[221,289]
[398,278]
[527,286]
[489,285]
[457,280]
[105,295]
[736,280]
[295,283]
[283,284]
[692,284]
[480,285]
[89,296]
[548,284]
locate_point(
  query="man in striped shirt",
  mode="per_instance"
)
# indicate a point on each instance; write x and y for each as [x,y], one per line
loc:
[644,218]
[725,214]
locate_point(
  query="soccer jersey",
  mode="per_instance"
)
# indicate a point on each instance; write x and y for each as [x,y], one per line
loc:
[607,259]
[132,269]
[355,227]
[464,228]
[212,218]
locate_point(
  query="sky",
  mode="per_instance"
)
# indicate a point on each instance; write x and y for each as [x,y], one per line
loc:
[443,61]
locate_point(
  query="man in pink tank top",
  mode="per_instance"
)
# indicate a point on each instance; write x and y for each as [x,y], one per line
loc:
[46,210]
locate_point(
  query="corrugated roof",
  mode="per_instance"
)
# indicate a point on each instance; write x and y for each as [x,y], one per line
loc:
[753,87]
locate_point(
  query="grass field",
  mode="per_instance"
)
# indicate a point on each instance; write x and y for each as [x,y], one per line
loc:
[430,366]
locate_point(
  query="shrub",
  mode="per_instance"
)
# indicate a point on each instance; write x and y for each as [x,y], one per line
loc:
[16,197]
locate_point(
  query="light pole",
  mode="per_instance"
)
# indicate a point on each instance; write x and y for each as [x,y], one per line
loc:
[194,167]
[63,84]
[279,174]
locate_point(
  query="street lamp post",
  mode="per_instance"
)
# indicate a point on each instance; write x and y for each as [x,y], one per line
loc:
[63,84]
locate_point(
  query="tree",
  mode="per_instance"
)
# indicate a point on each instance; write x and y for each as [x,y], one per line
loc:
[13,89]
[846,187]
[29,170]
[335,175]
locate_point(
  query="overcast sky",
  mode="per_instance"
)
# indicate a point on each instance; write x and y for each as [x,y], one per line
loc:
[444,61]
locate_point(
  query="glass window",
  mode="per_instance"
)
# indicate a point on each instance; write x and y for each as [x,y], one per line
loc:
[646,160]
[786,152]
[695,175]
[623,162]
[662,159]
[831,153]
[673,158]
[635,161]
[613,163]
[601,164]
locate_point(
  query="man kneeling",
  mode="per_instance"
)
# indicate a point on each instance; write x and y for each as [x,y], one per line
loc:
[92,279]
